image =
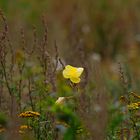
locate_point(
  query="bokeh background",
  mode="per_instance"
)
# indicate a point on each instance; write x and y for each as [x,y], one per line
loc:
[107,30]
[105,27]
[88,33]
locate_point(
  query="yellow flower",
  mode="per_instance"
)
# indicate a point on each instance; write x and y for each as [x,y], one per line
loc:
[72,73]
[135,95]
[134,106]
[24,127]
[60,100]
[29,114]
[123,99]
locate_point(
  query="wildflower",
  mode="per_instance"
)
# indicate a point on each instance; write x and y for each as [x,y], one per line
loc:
[60,100]
[24,127]
[135,95]
[72,73]
[123,99]
[134,106]
[29,114]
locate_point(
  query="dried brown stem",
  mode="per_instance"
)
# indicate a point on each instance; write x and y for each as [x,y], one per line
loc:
[29,93]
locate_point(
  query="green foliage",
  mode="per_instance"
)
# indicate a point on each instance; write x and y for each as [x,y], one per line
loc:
[3,119]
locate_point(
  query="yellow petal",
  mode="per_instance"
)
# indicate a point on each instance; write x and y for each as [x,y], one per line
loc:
[66,74]
[69,71]
[75,80]
[79,71]
[69,67]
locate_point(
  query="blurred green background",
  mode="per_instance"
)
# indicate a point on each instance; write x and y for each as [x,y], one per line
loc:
[87,33]
[105,30]
[105,27]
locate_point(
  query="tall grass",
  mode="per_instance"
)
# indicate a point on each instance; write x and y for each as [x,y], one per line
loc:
[103,105]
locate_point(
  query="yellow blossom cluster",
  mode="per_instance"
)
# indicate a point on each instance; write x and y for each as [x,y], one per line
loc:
[123,99]
[22,128]
[134,106]
[25,127]
[29,114]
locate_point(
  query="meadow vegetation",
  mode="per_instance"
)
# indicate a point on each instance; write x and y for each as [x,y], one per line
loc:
[70,71]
